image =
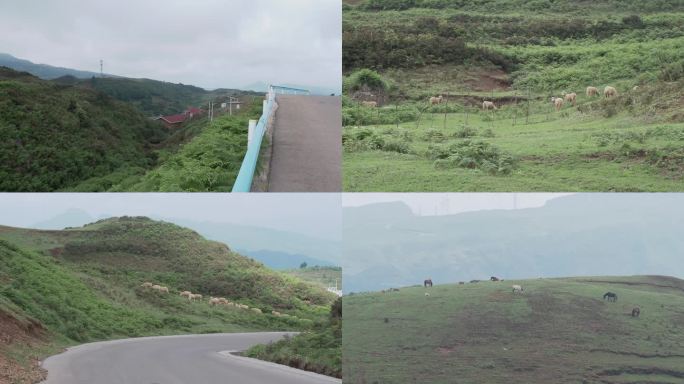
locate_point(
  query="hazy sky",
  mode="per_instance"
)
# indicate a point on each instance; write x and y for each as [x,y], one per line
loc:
[428,204]
[208,43]
[317,215]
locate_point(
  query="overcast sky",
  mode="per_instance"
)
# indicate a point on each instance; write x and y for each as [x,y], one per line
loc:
[208,43]
[428,204]
[317,215]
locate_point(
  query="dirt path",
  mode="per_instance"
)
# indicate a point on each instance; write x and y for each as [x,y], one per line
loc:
[307,145]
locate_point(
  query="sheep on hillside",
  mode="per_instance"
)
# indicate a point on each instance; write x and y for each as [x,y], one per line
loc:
[214,301]
[147,285]
[256,310]
[557,102]
[371,104]
[592,91]
[186,294]
[436,100]
[609,92]
[517,288]
[570,97]
[487,105]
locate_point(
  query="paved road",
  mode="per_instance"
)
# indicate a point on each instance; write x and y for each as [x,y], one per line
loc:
[192,359]
[307,145]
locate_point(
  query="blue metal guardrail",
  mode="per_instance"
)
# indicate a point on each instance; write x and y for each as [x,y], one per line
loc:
[243,182]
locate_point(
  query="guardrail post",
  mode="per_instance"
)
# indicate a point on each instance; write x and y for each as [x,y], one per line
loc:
[250,130]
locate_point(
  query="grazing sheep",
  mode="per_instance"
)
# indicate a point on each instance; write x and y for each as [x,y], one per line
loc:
[571,98]
[276,313]
[436,100]
[427,294]
[609,92]
[193,297]
[487,105]
[592,91]
[371,104]
[187,294]
[164,289]
[517,288]
[146,285]
[214,301]
[198,296]
[256,310]
[557,102]
[636,88]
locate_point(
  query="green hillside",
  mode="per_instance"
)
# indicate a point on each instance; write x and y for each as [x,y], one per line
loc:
[556,331]
[66,136]
[517,54]
[84,284]
[322,276]
[54,136]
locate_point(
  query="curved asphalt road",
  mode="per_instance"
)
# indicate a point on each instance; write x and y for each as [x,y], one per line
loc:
[191,359]
[307,145]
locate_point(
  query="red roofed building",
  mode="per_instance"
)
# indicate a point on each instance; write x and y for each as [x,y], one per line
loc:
[173,121]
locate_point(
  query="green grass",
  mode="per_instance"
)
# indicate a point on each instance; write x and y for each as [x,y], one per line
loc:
[322,276]
[318,350]
[559,330]
[578,149]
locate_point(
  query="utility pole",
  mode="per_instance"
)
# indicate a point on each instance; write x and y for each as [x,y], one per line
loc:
[101,65]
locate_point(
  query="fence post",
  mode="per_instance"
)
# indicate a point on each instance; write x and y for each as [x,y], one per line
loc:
[250,130]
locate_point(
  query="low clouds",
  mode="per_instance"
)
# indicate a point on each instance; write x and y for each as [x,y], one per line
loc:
[209,43]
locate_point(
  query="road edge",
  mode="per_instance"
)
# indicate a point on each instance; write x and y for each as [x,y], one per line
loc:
[263,363]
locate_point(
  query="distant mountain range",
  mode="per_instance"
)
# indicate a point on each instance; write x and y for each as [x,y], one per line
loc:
[283,260]
[44,71]
[386,245]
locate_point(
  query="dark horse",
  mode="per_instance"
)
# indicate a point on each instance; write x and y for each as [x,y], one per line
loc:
[636,312]
[427,283]
[610,296]
[494,278]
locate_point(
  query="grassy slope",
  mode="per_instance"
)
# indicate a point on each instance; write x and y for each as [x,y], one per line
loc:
[84,285]
[601,147]
[54,136]
[318,350]
[559,330]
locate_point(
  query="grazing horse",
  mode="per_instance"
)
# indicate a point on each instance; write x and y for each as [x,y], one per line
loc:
[610,296]
[494,278]
[636,311]
[427,283]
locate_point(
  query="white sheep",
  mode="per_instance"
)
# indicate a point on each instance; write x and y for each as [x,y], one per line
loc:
[570,97]
[592,91]
[517,288]
[427,294]
[436,100]
[609,92]
[187,294]
[214,301]
[486,105]
[146,285]
[371,104]
[557,102]
[636,88]
[256,310]
[276,313]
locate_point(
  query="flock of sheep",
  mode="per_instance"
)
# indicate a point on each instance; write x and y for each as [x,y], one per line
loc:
[213,301]
[557,102]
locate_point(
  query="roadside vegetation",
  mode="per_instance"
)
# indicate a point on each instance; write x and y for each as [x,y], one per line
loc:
[556,330]
[60,288]
[318,350]
[518,55]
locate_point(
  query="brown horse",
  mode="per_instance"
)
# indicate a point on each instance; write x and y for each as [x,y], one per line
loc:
[427,283]
[636,311]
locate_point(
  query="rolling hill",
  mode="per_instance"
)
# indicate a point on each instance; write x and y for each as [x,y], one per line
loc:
[44,71]
[556,331]
[84,284]
[387,245]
